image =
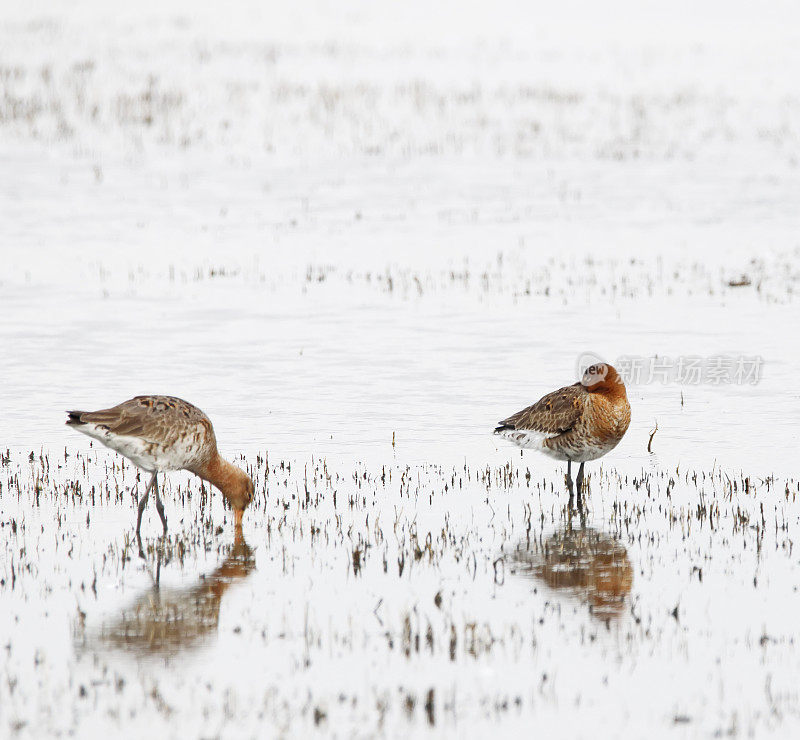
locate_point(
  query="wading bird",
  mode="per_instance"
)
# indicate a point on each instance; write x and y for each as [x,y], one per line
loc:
[160,433]
[578,423]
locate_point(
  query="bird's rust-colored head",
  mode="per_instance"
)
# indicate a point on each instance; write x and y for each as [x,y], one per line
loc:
[239,493]
[235,484]
[603,378]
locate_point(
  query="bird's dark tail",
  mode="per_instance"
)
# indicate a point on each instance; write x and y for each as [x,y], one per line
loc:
[74,419]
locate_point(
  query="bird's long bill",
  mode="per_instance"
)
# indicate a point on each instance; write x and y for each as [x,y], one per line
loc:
[237,518]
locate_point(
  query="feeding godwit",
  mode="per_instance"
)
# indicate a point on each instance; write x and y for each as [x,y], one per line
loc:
[160,433]
[577,423]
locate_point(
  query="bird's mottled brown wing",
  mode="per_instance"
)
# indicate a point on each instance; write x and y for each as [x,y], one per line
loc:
[555,413]
[146,417]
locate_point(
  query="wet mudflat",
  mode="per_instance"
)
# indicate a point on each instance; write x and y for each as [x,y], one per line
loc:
[357,248]
[393,598]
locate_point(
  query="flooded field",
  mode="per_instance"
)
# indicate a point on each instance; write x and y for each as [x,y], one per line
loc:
[395,598]
[357,245]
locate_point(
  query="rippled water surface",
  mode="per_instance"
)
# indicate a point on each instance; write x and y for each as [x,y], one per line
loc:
[357,248]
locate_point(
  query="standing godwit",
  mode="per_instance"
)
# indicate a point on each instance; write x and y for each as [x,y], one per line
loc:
[160,433]
[577,423]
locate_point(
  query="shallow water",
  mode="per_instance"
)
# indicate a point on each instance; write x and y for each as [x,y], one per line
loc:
[371,592]
[356,291]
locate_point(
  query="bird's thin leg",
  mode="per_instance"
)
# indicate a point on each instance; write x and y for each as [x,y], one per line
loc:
[579,483]
[160,508]
[569,482]
[143,502]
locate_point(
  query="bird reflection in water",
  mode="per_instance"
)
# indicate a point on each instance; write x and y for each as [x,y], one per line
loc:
[168,620]
[582,561]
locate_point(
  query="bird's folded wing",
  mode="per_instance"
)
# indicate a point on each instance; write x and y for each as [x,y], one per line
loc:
[555,413]
[126,420]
